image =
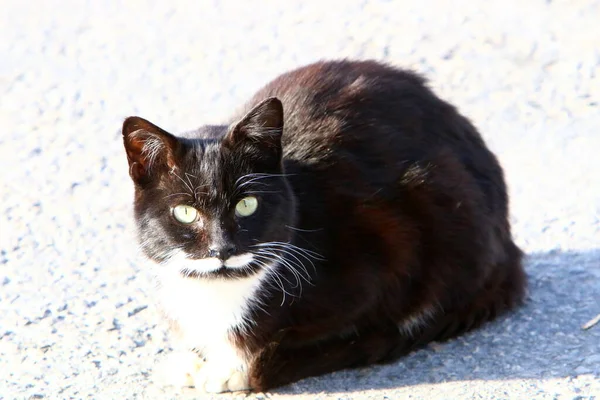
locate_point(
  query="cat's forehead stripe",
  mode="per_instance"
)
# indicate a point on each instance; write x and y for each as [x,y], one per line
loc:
[205,161]
[200,171]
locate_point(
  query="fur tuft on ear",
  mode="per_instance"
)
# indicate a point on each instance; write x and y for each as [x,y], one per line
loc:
[148,148]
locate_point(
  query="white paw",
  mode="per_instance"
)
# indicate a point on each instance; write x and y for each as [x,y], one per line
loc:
[214,377]
[179,368]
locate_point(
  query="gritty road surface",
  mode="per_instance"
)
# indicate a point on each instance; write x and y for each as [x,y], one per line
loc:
[77,318]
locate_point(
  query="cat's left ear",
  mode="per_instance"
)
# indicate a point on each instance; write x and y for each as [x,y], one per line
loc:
[259,132]
[149,148]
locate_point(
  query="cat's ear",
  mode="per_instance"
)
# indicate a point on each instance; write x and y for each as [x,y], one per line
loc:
[259,132]
[149,148]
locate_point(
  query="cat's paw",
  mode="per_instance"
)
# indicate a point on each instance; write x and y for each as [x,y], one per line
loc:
[214,377]
[179,368]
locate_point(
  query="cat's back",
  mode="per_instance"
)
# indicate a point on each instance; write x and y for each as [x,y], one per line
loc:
[340,106]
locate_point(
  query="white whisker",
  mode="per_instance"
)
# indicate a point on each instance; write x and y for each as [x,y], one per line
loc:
[178,194]
[254,178]
[184,182]
[272,271]
[197,190]
[270,259]
[187,176]
[303,230]
[292,269]
[290,257]
[310,253]
[259,176]
[260,191]
[294,252]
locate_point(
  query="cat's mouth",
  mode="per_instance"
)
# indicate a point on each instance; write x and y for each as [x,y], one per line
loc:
[212,266]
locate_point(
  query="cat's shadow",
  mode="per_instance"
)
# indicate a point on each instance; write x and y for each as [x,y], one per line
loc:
[544,339]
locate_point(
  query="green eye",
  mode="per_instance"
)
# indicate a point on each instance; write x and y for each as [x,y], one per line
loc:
[185,214]
[246,206]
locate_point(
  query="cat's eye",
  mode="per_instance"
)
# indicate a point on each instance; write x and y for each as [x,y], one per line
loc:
[246,206]
[185,214]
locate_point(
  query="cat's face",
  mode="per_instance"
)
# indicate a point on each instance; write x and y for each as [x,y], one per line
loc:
[212,207]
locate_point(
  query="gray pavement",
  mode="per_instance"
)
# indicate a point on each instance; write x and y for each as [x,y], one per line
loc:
[77,318]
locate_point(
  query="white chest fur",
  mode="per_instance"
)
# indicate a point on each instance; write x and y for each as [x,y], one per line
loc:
[206,310]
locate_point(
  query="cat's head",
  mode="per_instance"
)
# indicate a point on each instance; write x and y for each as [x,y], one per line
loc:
[210,205]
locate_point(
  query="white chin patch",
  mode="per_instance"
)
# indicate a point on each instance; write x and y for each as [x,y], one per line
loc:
[239,261]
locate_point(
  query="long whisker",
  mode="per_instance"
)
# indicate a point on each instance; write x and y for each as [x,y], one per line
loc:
[177,194]
[187,176]
[292,260]
[293,253]
[303,230]
[279,276]
[311,253]
[286,264]
[197,189]
[260,191]
[261,256]
[277,280]
[298,263]
[259,175]
[306,254]
[253,180]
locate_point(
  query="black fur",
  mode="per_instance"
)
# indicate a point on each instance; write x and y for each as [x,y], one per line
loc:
[401,208]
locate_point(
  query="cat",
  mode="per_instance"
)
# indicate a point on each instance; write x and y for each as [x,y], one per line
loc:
[346,216]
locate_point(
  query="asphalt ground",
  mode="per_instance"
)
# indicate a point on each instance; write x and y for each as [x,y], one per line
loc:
[77,313]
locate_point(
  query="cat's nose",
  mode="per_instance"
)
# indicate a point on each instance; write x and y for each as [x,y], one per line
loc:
[222,252]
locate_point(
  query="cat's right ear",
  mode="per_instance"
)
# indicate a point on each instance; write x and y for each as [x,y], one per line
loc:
[259,132]
[149,149]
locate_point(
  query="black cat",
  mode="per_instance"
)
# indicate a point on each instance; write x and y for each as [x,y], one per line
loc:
[346,218]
